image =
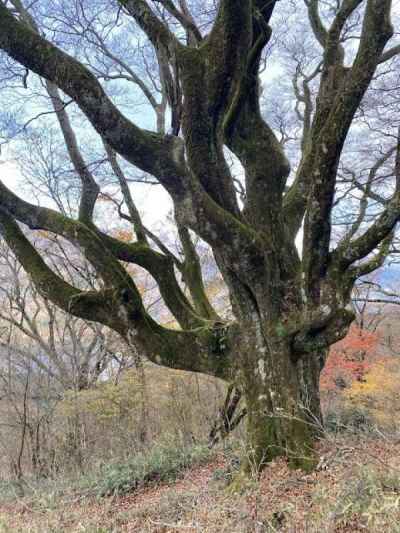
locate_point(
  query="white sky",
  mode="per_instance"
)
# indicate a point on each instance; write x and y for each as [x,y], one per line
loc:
[153,201]
[8,174]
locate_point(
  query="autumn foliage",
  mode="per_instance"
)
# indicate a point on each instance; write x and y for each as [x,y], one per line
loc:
[349,360]
[361,376]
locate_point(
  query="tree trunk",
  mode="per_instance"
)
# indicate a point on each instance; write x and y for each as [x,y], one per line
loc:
[309,369]
[282,397]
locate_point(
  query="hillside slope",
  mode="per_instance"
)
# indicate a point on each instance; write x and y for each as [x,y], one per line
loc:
[356,488]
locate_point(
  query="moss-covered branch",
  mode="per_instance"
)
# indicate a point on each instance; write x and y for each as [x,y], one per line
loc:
[226,49]
[253,141]
[379,233]
[154,28]
[340,94]
[315,340]
[90,189]
[158,265]
[87,305]
[185,18]
[207,349]
[156,154]
[193,277]
[343,100]
[317,26]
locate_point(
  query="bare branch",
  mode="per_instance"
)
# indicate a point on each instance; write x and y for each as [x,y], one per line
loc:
[90,189]
[155,154]
[184,17]
[155,29]
[380,229]
[126,193]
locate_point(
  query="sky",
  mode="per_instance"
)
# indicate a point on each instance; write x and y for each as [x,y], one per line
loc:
[9,174]
[153,201]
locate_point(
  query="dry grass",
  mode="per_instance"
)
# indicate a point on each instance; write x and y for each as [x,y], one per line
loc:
[355,488]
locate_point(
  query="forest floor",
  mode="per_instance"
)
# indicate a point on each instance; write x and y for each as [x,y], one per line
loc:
[356,487]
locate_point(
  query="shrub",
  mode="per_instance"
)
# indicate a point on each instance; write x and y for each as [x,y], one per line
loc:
[162,463]
[373,496]
[348,418]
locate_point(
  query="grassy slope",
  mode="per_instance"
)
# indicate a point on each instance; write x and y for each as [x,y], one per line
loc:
[356,488]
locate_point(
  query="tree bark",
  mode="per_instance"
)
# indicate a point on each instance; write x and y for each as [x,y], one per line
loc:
[282,399]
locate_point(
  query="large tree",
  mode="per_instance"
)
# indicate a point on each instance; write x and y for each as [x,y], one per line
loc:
[288,307]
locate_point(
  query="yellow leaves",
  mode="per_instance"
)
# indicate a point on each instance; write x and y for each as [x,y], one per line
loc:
[106,401]
[379,391]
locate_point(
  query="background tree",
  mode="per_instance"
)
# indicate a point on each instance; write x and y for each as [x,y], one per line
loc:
[28,401]
[73,353]
[203,78]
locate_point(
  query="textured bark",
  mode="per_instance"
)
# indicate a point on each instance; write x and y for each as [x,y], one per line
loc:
[277,421]
[287,309]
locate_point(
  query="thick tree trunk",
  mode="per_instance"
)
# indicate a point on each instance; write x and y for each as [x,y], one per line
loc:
[282,397]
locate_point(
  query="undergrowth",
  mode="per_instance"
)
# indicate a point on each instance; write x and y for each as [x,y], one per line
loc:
[162,463]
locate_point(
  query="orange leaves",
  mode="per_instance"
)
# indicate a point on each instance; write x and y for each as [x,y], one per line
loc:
[124,235]
[360,376]
[349,359]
